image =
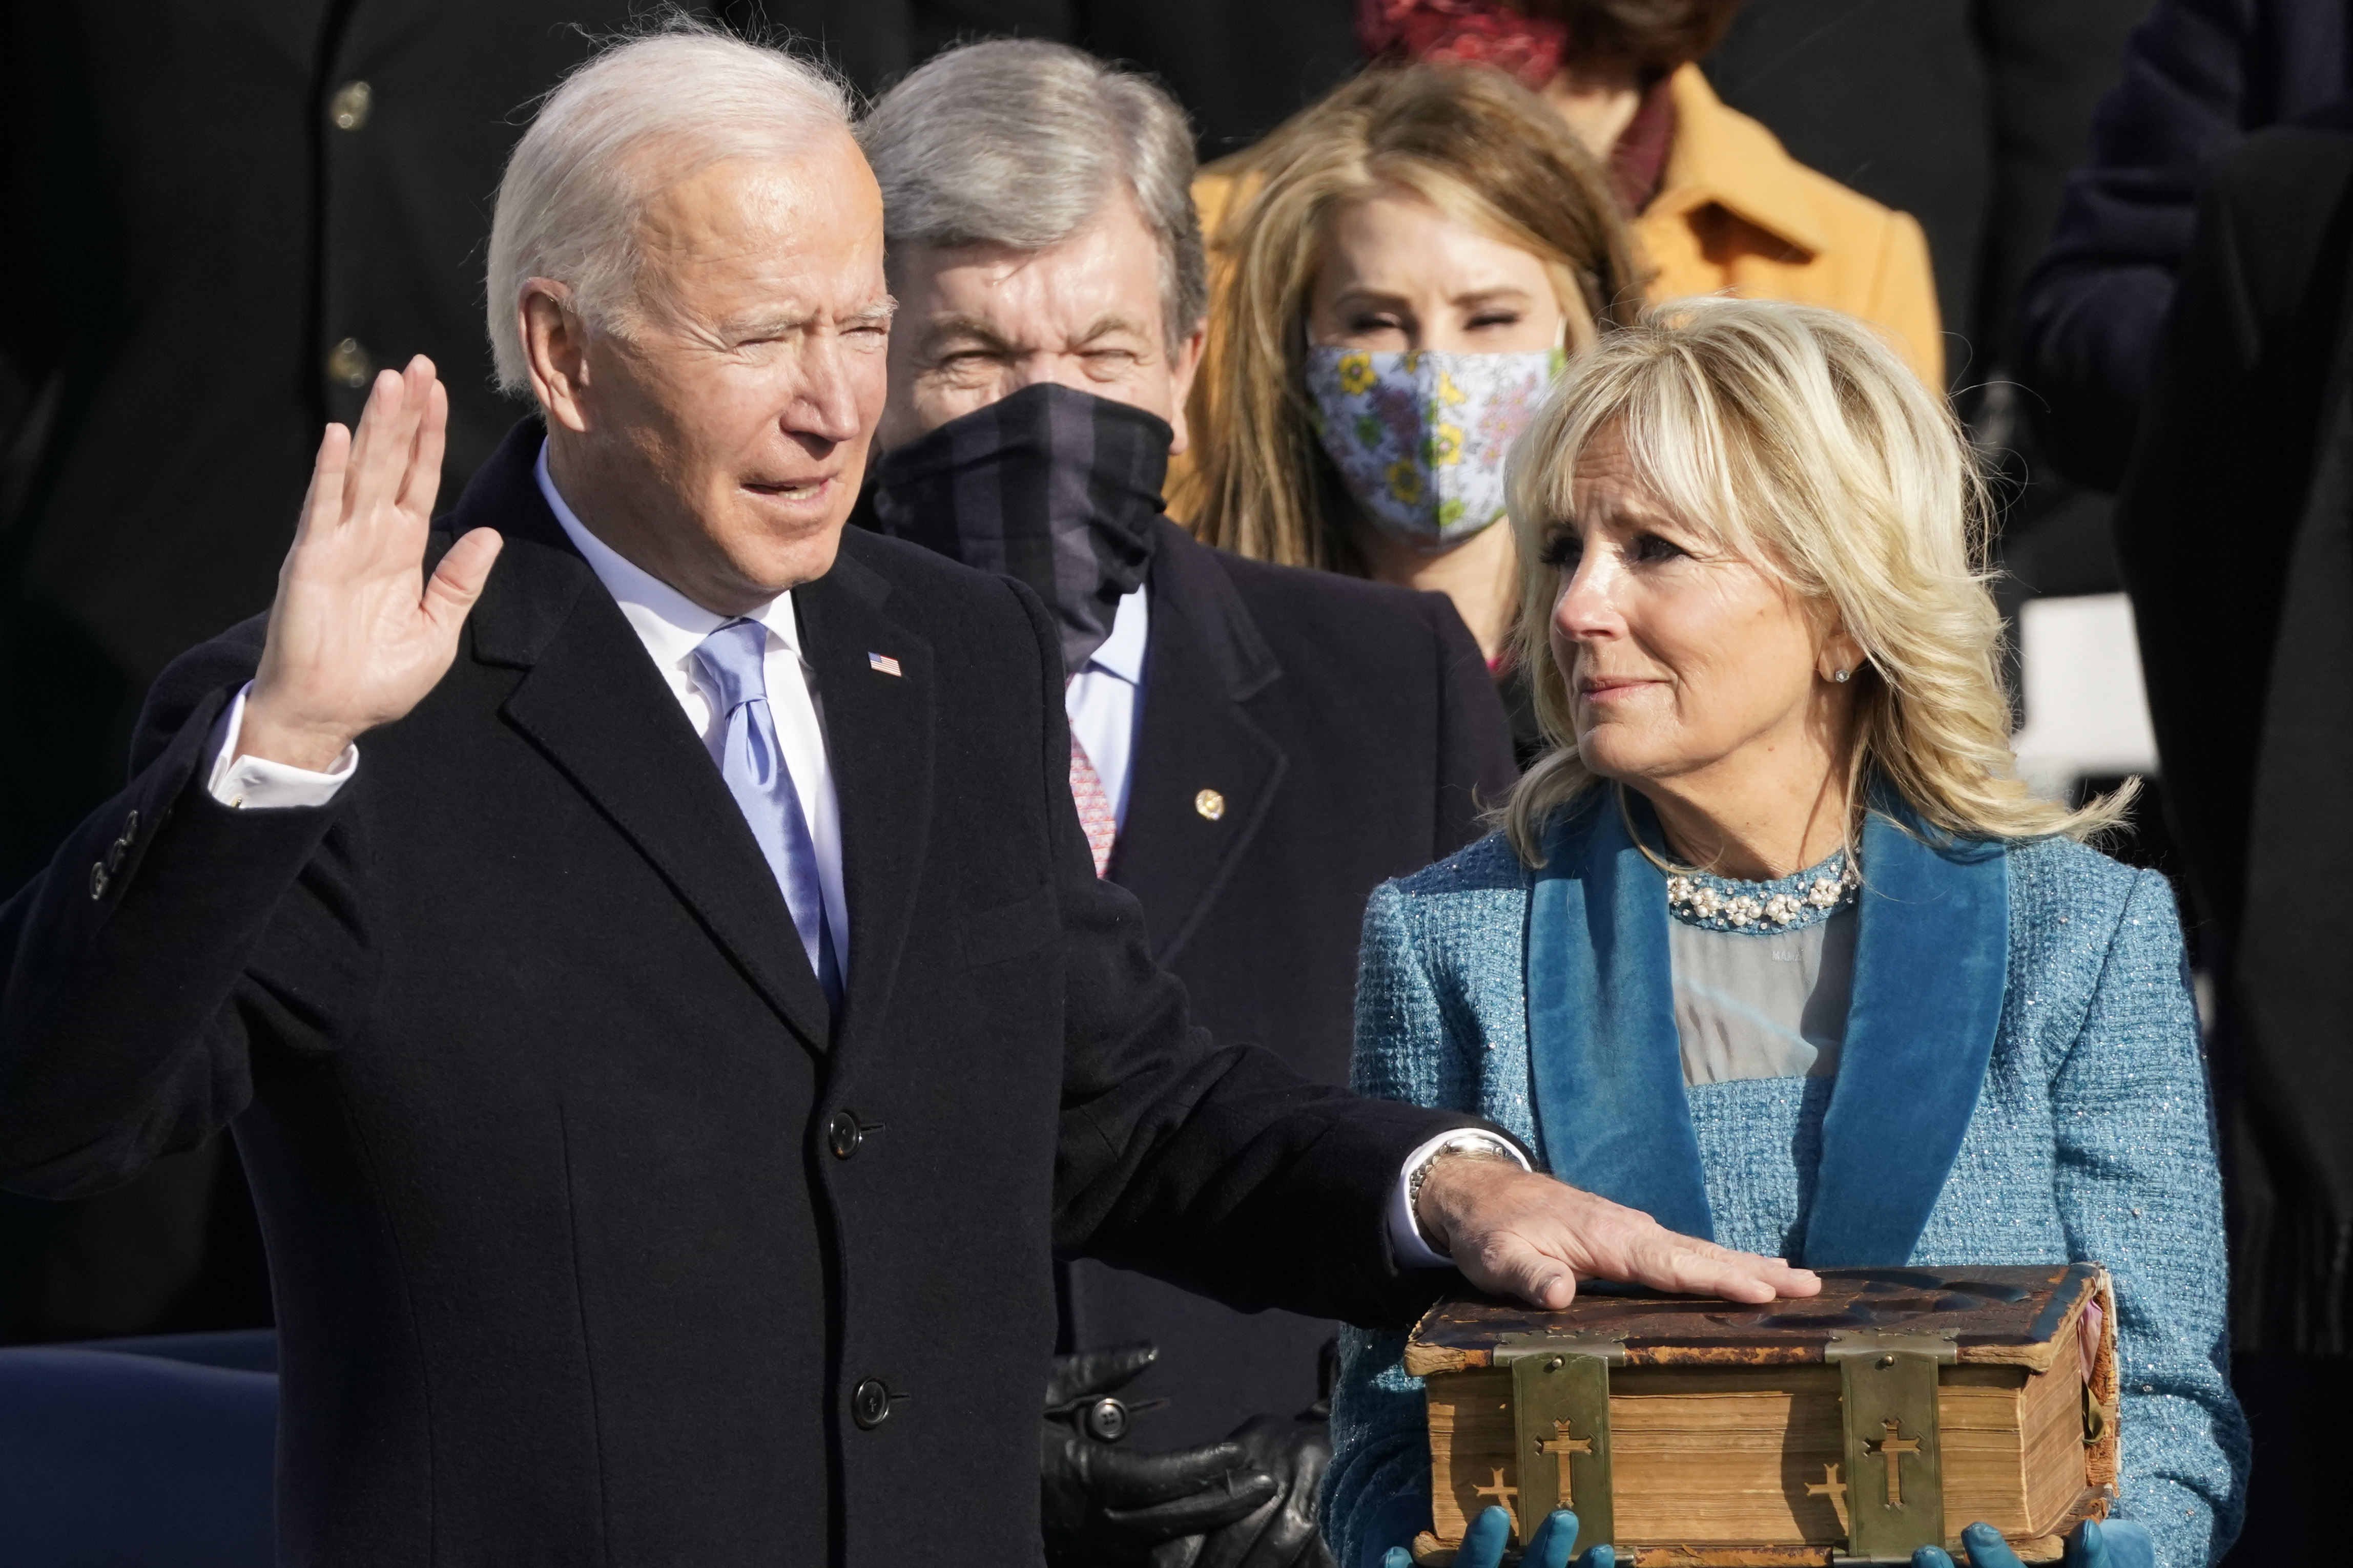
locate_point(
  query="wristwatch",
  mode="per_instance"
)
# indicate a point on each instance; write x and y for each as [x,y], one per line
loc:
[1471,1144]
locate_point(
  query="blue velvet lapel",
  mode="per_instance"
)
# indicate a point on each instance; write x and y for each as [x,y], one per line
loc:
[1605,1069]
[1931,967]
[1604,1064]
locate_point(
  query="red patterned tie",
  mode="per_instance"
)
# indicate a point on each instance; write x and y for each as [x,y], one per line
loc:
[1094,806]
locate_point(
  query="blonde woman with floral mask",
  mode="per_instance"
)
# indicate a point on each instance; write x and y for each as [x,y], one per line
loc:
[1419,253]
[1771,945]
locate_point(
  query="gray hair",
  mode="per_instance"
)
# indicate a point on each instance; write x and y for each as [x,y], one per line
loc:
[640,116]
[1022,145]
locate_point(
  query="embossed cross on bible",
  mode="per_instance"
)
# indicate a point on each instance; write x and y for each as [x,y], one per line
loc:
[1503,1495]
[1830,1487]
[1893,1448]
[1563,1444]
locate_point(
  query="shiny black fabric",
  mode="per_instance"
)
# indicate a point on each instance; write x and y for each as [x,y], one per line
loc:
[1054,487]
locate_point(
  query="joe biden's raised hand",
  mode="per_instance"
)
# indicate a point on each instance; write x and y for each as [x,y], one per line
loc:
[358,635]
[1517,1233]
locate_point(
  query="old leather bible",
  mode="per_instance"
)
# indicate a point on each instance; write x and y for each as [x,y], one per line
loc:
[1889,1412]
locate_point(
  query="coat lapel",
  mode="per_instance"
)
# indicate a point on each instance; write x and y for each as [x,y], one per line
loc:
[878,734]
[595,705]
[1205,661]
[1604,1065]
[1931,969]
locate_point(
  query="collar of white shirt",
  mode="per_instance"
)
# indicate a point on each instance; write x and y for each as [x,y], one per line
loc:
[1122,653]
[671,625]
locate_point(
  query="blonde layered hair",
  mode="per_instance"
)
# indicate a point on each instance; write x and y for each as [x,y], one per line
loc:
[1472,142]
[1798,440]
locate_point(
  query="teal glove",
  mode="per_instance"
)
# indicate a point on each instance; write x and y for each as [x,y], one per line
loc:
[2119,1544]
[1483,1543]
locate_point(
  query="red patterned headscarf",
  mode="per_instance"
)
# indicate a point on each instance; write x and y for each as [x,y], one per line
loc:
[1470,32]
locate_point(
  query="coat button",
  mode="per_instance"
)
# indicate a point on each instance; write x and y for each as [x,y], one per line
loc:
[130,828]
[349,363]
[869,1405]
[1107,1420]
[1210,804]
[843,1135]
[348,110]
[97,880]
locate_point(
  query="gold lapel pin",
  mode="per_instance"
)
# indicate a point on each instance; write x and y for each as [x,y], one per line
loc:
[1210,804]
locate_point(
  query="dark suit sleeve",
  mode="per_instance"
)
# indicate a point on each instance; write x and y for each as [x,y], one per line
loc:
[1213,1166]
[2205,524]
[2090,311]
[1475,766]
[166,936]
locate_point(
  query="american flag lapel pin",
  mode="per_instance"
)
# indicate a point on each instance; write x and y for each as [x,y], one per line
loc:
[883,662]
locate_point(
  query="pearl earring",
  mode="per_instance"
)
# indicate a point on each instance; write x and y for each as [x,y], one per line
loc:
[1839,678]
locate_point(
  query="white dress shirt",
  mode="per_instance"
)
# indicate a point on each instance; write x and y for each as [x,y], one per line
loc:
[1102,703]
[1104,698]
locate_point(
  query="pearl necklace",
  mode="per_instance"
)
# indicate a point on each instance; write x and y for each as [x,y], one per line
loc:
[1725,903]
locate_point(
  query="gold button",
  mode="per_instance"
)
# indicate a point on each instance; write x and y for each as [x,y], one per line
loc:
[1209,804]
[348,364]
[349,108]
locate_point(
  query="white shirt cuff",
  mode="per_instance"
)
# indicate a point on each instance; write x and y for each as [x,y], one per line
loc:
[1405,1236]
[254,784]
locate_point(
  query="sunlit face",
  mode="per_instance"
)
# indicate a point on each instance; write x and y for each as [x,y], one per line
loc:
[721,437]
[1679,655]
[1399,274]
[980,322]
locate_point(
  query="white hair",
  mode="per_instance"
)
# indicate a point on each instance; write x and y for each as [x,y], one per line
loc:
[1022,143]
[636,118]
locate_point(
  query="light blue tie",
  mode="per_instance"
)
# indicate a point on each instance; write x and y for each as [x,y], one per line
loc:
[733,660]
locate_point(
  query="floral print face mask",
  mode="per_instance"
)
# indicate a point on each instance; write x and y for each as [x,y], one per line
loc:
[1419,438]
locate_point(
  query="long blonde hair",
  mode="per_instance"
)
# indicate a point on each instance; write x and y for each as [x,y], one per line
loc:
[1472,142]
[1798,440]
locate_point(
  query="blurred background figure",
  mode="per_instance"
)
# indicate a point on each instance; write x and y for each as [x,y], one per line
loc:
[2190,80]
[1715,201]
[2233,533]
[2197,75]
[1413,259]
[1255,747]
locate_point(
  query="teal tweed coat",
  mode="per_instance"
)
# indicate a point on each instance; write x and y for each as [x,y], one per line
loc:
[2022,1029]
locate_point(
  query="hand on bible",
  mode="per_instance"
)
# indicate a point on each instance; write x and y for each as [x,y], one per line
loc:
[1516,1232]
[2118,1543]
[358,636]
[1483,1543]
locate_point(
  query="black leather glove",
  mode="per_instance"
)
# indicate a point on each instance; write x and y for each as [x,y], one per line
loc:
[1282,1534]
[1108,1506]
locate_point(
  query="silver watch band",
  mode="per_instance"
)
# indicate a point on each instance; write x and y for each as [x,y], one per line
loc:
[1471,1143]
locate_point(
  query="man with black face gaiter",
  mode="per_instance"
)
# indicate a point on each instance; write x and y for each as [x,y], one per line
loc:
[1254,748]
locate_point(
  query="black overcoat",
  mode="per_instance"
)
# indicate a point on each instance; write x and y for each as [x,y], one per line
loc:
[587,1223]
[2235,532]
[1348,734]
[2195,77]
